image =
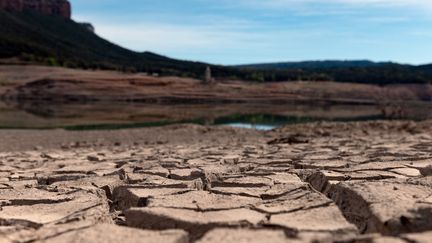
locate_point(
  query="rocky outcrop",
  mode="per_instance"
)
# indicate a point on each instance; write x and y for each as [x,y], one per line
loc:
[47,7]
[88,26]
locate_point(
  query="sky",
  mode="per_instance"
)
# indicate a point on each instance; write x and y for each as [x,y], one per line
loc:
[261,31]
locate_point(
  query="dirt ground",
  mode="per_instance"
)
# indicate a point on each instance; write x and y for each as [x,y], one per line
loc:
[319,182]
[71,85]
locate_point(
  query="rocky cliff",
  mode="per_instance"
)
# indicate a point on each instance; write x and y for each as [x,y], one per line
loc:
[48,7]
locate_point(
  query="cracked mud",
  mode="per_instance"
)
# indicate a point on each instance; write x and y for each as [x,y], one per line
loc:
[323,182]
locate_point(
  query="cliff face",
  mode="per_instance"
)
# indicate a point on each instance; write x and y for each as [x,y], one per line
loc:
[48,7]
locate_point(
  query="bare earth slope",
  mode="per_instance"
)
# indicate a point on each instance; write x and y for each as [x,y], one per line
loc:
[68,85]
[322,182]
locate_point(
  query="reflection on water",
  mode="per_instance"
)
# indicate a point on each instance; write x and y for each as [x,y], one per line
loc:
[89,116]
[261,127]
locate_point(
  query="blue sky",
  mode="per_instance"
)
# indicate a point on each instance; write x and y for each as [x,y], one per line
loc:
[255,31]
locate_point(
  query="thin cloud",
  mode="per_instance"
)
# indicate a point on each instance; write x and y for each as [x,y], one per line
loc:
[418,8]
[246,31]
[421,4]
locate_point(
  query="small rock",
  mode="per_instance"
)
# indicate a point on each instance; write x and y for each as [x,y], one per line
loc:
[293,139]
[426,171]
[198,185]
[93,158]
[46,156]
[231,159]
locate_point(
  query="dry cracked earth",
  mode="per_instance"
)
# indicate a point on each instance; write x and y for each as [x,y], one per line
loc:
[322,182]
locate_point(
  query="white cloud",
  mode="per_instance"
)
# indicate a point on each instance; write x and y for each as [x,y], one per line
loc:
[354,3]
[169,36]
[421,8]
[269,30]
[212,41]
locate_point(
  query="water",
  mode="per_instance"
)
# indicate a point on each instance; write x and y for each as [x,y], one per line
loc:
[261,127]
[91,116]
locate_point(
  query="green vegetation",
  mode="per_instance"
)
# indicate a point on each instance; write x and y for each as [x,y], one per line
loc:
[279,120]
[263,119]
[254,119]
[316,64]
[344,71]
[4,82]
[56,41]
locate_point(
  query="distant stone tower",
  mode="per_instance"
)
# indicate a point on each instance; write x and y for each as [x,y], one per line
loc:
[208,76]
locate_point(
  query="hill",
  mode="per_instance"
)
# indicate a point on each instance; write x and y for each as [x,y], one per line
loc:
[57,41]
[425,68]
[362,71]
[316,64]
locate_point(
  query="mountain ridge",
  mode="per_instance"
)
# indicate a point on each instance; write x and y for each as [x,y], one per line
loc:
[316,64]
[53,40]
[57,41]
[60,8]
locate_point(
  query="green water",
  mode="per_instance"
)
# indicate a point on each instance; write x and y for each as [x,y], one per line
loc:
[113,116]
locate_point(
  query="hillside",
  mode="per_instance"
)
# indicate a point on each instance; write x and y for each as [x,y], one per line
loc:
[58,85]
[362,71]
[57,41]
[316,64]
[425,68]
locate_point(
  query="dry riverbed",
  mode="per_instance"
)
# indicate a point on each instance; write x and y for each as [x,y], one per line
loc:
[321,182]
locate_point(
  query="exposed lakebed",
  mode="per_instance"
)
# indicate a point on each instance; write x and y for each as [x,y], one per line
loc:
[314,182]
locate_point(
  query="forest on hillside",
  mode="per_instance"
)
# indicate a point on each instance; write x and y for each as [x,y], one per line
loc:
[55,41]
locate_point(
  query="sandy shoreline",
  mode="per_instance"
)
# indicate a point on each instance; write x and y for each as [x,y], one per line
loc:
[187,183]
[30,139]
